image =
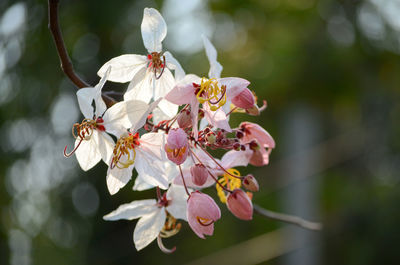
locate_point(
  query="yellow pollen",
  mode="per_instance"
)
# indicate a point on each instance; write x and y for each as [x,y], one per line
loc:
[229,182]
[122,148]
[212,93]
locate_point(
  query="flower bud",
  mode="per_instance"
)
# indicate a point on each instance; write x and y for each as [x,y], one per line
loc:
[240,204]
[199,174]
[184,120]
[202,212]
[254,145]
[177,146]
[250,183]
[239,134]
[210,137]
[253,131]
[244,100]
[201,114]
[253,111]
[236,147]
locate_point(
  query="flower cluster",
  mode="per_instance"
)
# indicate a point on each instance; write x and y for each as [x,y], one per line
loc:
[165,128]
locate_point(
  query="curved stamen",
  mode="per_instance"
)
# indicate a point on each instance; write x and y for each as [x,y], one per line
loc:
[209,91]
[73,151]
[162,70]
[204,221]
[223,90]
[163,248]
[123,147]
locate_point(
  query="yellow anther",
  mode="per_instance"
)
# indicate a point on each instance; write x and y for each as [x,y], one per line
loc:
[171,227]
[229,182]
[83,130]
[212,93]
[123,147]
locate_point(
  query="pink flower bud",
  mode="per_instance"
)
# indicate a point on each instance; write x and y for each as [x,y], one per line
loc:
[184,120]
[250,183]
[202,212]
[260,157]
[177,146]
[244,100]
[240,204]
[254,131]
[199,174]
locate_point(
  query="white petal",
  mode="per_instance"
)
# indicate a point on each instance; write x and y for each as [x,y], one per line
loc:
[124,67]
[98,100]
[150,169]
[106,146]
[234,158]
[118,178]
[148,227]
[173,64]
[142,119]
[85,98]
[164,84]
[215,66]
[133,210]
[153,144]
[88,153]
[123,115]
[159,115]
[170,109]
[194,105]
[154,30]
[141,185]
[234,86]
[141,87]
[178,197]
[216,118]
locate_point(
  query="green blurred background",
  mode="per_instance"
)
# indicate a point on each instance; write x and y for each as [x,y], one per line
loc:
[330,71]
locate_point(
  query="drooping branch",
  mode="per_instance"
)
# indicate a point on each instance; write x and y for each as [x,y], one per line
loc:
[66,64]
[295,220]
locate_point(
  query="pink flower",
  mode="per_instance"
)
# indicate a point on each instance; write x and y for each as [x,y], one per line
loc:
[199,174]
[260,156]
[202,212]
[253,131]
[244,100]
[259,139]
[240,205]
[177,146]
[250,183]
[211,93]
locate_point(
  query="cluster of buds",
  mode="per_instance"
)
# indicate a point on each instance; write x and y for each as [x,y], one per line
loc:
[166,128]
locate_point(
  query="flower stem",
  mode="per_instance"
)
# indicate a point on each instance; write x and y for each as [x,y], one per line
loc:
[183,180]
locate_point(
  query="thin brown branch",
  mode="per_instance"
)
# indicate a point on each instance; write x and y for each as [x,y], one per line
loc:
[66,64]
[295,220]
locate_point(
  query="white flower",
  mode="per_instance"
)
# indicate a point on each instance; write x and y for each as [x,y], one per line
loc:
[92,141]
[170,170]
[149,76]
[144,153]
[152,214]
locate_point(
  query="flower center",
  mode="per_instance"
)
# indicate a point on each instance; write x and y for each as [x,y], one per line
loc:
[157,63]
[123,148]
[229,182]
[84,130]
[171,227]
[209,91]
